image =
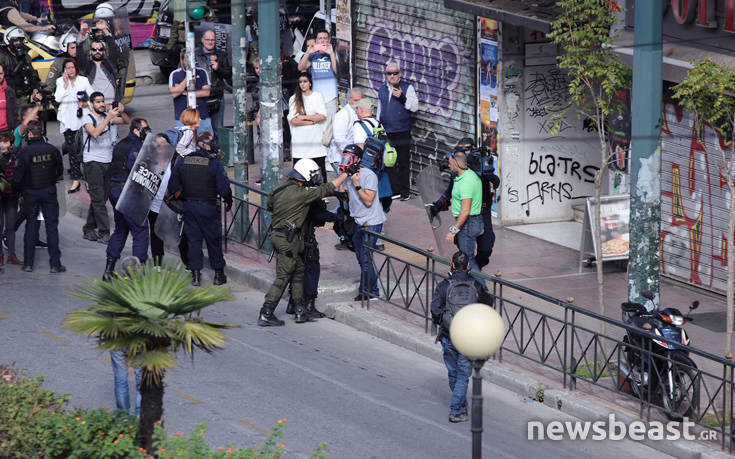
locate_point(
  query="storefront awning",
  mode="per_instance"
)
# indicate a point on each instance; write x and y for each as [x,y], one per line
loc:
[677,57]
[536,15]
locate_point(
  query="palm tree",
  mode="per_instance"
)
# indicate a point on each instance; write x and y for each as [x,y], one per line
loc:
[149,314]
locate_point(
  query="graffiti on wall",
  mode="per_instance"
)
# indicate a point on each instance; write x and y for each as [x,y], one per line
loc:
[432,65]
[546,93]
[694,202]
[555,175]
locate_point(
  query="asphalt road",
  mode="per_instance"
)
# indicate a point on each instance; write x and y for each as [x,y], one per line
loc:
[365,397]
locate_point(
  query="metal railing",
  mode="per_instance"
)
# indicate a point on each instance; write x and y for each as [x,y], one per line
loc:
[245,223]
[583,347]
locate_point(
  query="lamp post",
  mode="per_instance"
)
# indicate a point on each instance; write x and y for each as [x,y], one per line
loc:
[477,331]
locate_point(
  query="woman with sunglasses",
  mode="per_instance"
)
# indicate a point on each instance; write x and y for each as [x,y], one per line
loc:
[306,113]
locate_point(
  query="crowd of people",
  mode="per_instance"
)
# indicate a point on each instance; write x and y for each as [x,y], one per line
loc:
[365,144]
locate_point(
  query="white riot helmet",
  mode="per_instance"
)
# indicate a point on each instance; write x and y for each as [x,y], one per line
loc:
[66,39]
[13,33]
[305,170]
[104,11]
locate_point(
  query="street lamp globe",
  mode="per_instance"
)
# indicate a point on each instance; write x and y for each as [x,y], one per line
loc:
[477,331]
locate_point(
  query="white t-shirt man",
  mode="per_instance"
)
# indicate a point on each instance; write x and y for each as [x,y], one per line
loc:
[99,149]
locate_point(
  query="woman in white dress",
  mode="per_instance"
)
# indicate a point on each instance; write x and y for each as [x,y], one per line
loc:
[306,115]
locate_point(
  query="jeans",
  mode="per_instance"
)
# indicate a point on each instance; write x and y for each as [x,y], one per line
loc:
[466,241]
[459,370]
[122,390]
[218,118]
[366,259]
[206,125]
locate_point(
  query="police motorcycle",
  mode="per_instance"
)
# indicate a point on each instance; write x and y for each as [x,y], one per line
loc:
[657,370]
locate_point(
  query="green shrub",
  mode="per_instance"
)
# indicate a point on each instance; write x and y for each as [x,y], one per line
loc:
[34,424]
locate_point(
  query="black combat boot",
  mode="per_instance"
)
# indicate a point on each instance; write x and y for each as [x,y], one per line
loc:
[301,316]
[291,308]
[311,310]
[219,277]
[196,277]
[109,270]
[267,318]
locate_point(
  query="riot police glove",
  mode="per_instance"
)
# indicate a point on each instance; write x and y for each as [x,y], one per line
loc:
[434,209]
[228,205]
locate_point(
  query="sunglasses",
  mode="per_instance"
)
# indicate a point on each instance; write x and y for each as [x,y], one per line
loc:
[392,73]
[95,50]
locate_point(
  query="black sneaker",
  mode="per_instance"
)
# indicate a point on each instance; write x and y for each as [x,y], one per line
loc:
[405,197]
[103,239]
[28,269]
[90,235]
[460,417]
[41,244]
[58,269]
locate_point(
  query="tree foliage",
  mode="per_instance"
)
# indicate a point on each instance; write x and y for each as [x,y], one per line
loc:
[150,314]
[596,75]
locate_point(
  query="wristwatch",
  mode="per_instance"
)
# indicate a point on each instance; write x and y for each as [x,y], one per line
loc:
[358,188]
[453,229]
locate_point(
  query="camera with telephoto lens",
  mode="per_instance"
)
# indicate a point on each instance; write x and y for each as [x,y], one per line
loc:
[81,97]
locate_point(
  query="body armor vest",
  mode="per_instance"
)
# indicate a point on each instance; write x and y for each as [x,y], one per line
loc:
[118,170]
[196,180]
[43,172]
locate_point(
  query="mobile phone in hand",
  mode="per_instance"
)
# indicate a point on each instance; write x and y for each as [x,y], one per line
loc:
[320,47]
[115,105]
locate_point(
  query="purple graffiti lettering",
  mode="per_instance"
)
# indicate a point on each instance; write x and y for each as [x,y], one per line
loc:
[431,64]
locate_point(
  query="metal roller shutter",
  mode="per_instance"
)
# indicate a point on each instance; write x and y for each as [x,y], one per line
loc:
[436,48]
[694,206]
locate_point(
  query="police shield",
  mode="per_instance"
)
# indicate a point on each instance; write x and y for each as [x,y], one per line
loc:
[431,185]
[144,180]
[169,226]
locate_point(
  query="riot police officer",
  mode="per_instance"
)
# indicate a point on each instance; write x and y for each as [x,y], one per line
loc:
[198,178]
[18,67]
[39,168]
[289,204]
[490,182]
[318,215]
[123,159]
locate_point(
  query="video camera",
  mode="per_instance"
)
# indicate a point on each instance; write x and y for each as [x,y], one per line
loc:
[479,159]
[81,97]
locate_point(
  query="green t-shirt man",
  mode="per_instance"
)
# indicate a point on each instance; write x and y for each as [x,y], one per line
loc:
[468,185]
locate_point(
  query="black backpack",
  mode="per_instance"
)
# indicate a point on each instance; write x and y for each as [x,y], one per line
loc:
[345,227]
[460,293]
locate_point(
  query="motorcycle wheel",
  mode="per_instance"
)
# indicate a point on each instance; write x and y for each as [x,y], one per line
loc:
[686,393]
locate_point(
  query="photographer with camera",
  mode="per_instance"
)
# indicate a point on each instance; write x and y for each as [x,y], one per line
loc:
[72,94]
[481,162]
[97,155]
[20,73]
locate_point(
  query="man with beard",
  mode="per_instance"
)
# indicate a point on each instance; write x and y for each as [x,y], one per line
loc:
[97,156]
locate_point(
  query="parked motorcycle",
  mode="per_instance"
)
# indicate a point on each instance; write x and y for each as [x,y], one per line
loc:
[657,370]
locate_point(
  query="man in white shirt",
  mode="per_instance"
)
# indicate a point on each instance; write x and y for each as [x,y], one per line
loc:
[341,127]
[97,156]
